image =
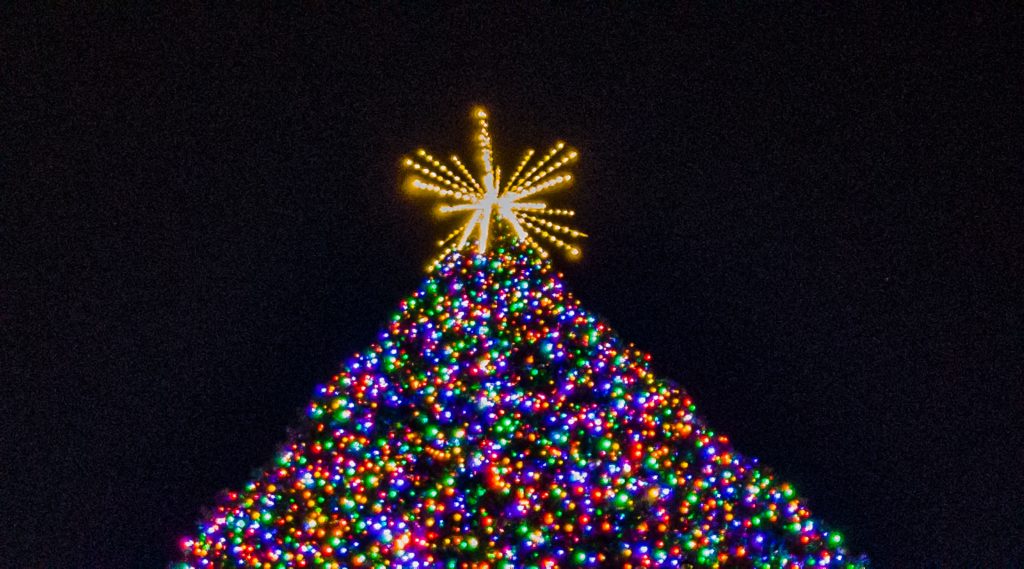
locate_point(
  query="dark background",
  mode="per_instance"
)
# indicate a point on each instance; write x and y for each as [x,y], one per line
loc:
[809,216]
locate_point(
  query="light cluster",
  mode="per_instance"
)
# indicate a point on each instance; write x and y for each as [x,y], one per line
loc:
[488,200]
[497,423]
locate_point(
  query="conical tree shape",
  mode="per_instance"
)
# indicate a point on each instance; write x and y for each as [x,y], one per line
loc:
[497,423]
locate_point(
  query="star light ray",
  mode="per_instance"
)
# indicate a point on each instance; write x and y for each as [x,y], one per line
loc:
[493,206]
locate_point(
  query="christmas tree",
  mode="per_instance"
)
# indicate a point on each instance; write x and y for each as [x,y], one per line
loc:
[495,422]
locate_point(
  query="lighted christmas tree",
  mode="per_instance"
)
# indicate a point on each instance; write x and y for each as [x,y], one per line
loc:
[498,423]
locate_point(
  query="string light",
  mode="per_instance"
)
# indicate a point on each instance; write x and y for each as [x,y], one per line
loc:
[487,199]
[497,423]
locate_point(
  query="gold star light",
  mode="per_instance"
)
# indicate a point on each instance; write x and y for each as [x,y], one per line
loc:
[486,201]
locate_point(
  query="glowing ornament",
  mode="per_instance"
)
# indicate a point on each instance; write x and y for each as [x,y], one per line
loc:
[485,200]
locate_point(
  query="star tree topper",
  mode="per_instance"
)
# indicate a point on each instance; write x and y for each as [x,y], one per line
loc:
[487,200]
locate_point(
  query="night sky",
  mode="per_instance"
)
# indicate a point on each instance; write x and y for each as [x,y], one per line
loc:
[811,218]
